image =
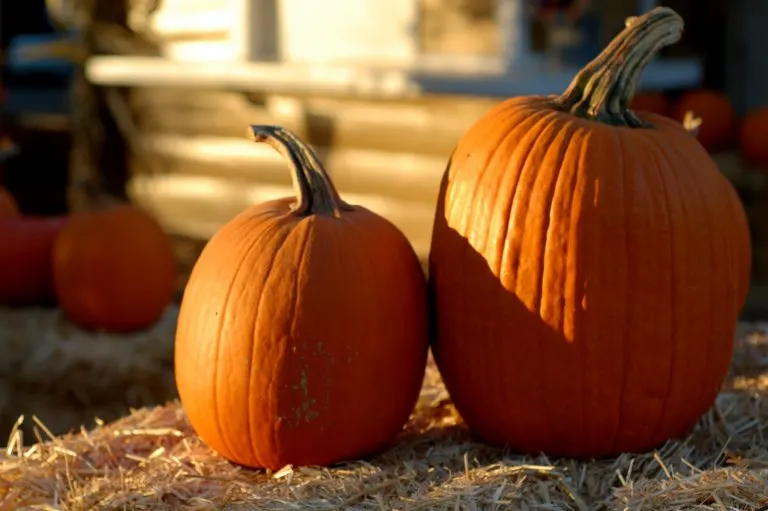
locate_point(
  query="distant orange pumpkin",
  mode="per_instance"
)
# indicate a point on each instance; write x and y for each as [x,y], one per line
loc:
[719,122]
[26,245]
[114,270]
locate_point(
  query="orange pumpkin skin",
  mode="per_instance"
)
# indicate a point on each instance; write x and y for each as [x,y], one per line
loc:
[25,259]
[302,335]
[652,101]
[753,148]
[719,122]
[8,206]
[585,273]
[114,270]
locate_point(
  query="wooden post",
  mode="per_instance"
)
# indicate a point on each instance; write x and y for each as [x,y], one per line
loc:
[98,158]
[513,19]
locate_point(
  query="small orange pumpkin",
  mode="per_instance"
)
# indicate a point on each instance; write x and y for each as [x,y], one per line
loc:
[752,138]
[719,122]
[587,266]
[114,269]
[8,206]
[26,245]
[302,334]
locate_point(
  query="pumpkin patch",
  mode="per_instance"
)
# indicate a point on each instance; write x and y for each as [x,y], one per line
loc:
[588,263]
[719,127]
[302,333]
[25,259]
[114,269]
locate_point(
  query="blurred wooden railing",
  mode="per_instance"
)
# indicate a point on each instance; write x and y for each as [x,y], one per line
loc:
[193,166]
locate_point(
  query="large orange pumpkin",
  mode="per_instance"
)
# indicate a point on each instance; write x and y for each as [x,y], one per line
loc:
[302,336]
[752,138]
[26,245]
[8,206]
[587,265]
[114,269]
[719,122]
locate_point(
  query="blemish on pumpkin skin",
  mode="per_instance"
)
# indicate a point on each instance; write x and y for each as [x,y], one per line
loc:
[304,412]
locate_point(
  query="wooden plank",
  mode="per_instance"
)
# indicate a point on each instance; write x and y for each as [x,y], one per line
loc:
[197,206]
[427,127]
[372,82]
[409,176]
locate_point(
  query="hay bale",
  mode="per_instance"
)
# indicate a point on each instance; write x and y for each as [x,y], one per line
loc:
[152,459]
[66,376]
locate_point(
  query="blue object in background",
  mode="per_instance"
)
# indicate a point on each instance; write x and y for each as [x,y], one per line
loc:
[49,53]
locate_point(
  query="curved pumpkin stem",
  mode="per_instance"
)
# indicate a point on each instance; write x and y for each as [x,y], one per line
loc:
[315,191]
[604,88]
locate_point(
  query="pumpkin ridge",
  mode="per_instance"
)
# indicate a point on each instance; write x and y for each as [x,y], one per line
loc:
[491,162]
[533,137]
[603,89]
[664,171]
[573,298]
[253,367]
[529,125]
[506,117]
[550,118]
[714,257]
[689,181]
[589,235]
[253,246]
[241,225]
[693,205]
[676,384]
[627,199]
[463,223]
[553,274]
[293,337]
[534,238]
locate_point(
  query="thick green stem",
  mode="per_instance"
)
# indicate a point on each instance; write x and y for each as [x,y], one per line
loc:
[603,90]
[315,191]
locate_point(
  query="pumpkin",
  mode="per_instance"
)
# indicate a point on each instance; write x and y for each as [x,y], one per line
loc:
[8,205]
[114,269]
[26,245]
[652,101]
[302,335]
[587,265]
[752,144]
[719,121]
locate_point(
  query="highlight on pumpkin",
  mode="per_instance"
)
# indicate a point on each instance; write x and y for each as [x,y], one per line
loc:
[291,320]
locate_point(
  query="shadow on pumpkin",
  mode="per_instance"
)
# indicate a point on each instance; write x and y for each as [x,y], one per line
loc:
[595,380]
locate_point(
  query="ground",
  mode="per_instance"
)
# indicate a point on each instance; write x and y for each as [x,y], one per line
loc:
[153,460]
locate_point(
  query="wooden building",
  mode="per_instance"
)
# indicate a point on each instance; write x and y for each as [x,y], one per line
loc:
[383,92]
